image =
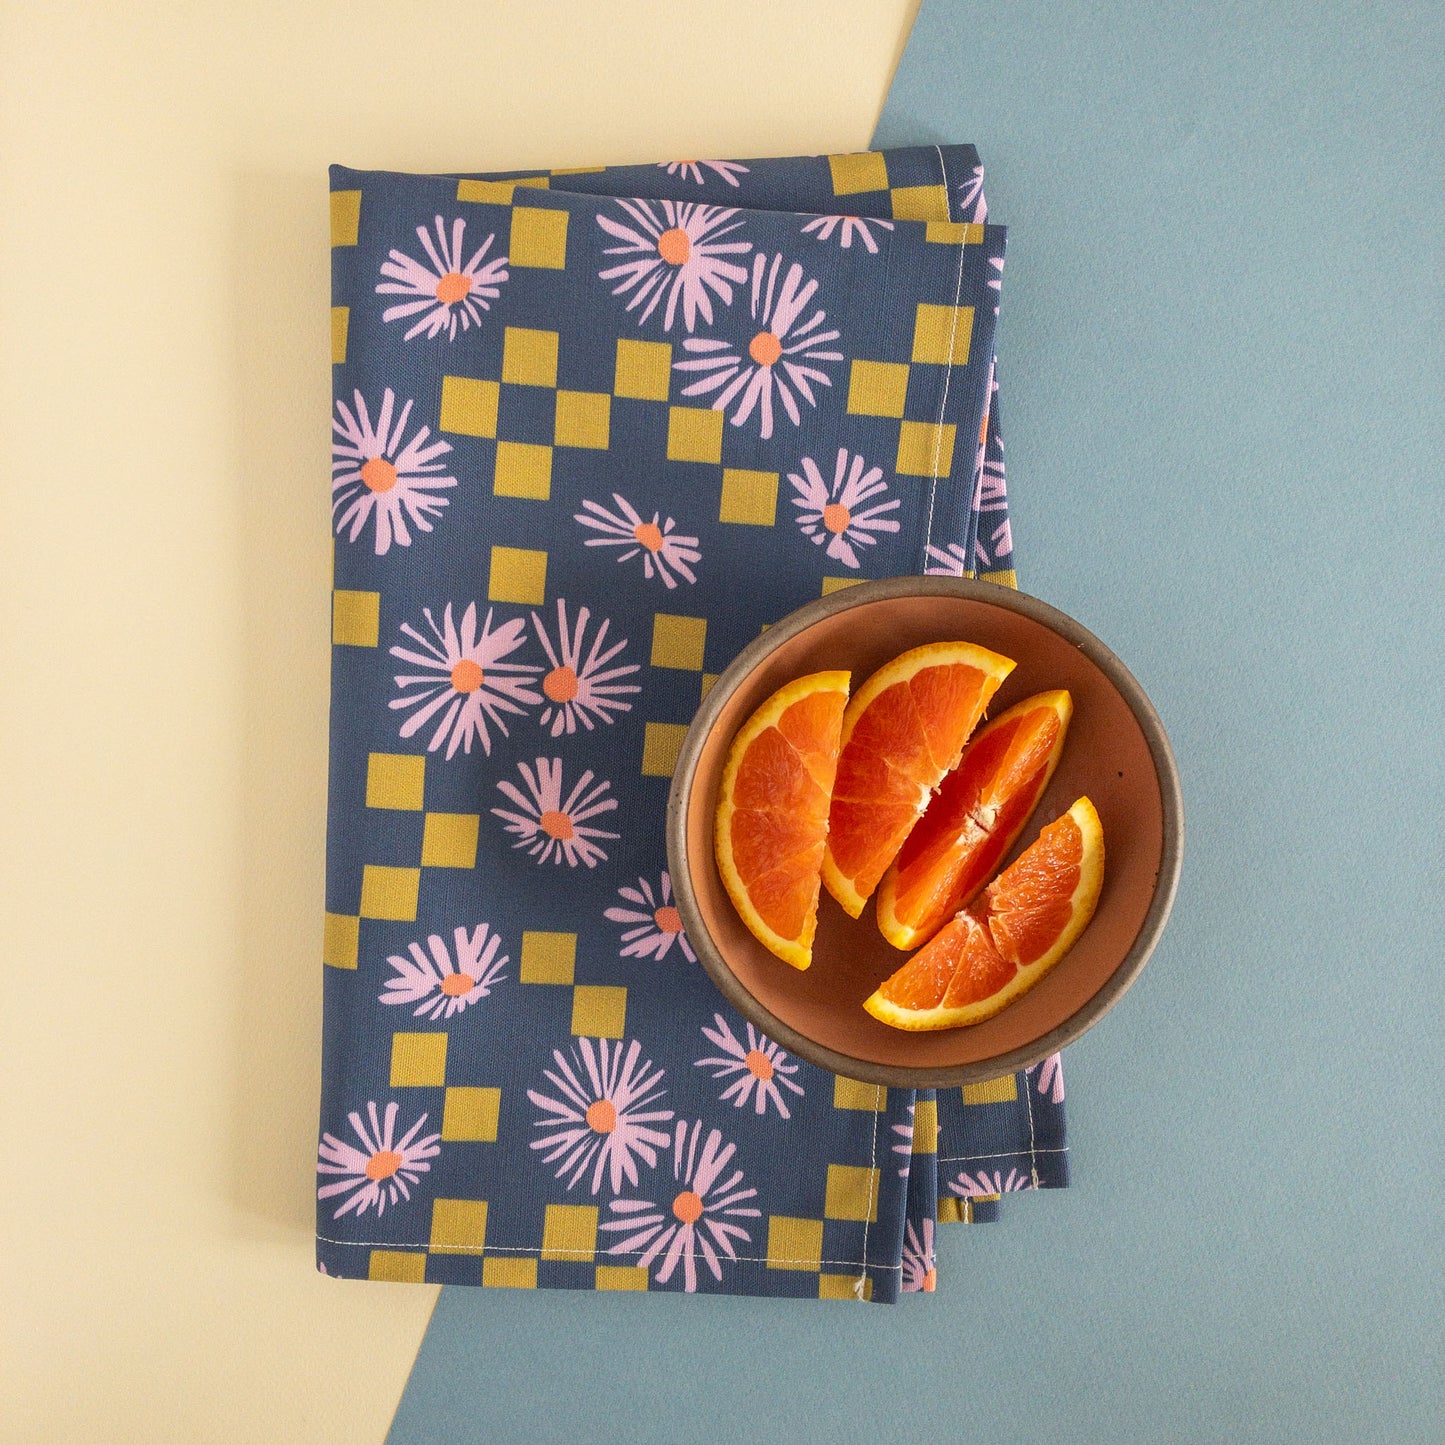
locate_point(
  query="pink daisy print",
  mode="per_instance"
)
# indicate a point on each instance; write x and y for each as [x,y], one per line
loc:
[903,1143]
[601,1117]
[679,254]
[579,689]
[550,829]
[653,923]
[920,1264]
[780,360]
[439,985]
[446,291]
[833,513]
[1049,1078]
[378,477]
[848,228]
[383,1169]
[697,1219]
[463,682]
[693,170]
[970,193]
[760,1068]
[663,550]
[947,561]
[984,1185]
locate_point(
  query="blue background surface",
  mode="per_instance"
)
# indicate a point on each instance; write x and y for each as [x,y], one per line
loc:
[1220,345]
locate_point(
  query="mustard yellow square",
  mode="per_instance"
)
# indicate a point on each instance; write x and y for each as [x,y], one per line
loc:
[510,1272]
[942,335]
[449,840]
[548,958]
[470,1115]
[584,419]
[952,1210]
[694,434]
[340,323]
[644,370]
[877,388]
[569,1232]
[529,358]
[920,203]
[493,193]
[389,892]
[518,575]
[458,1226]
[395,780]
[863,171]
[1005,578]
[992,1091]
[708,679]
[539,238]
[925,1127]
[925,449]
[845,1286]
[341,940]
[599,1012]
[469,406]
[852,1193]
[621,1276]
[837,584]
[418,1061]
[396,1266]
[661,744]
[345,217]
[356,619]
[854,1094]
[523,469]
[749,498]
[678,641]
[954,233]
[794,1243]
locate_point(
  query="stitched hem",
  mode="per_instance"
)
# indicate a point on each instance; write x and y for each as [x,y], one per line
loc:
[1004,1154]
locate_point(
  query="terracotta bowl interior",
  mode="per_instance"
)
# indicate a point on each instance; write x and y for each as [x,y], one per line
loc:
[1107,756]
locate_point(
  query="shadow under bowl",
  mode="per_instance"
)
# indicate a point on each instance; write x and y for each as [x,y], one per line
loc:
[1116,753]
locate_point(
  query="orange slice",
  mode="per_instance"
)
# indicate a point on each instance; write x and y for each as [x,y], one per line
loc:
[772,812]
[903,732]
[995,951]
[973,819]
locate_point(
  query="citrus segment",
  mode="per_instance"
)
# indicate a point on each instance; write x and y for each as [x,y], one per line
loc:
[772,813]
[1003,944]
[973,820]
[903,731]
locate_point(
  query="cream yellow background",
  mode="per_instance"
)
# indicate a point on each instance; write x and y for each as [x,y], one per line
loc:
[164,555]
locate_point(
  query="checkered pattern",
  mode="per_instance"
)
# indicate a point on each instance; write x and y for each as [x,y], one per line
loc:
[528,1081]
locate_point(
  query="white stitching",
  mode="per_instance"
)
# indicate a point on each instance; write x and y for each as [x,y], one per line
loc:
[1033,1152]
[1005,1154]
[947,376]
[595,1256]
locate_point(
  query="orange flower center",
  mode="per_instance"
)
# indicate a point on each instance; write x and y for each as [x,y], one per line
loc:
[452,287]
[560,684]
[602,1116]
[650,535]
[836,517]
[765,348]
[456,984]
[669,920]
[383,1164]
[378,474]
[688,1207]
[930,1281]
[760,1066]
[557,825]
[467,675]
[674,246]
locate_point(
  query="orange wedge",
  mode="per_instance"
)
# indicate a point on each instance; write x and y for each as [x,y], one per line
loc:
[995,951]
[973,820]
[772,812]
[902,734]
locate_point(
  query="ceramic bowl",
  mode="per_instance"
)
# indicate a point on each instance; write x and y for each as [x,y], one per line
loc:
[1116,752]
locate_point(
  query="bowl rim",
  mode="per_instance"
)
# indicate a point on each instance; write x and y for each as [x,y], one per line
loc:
[1166,883]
